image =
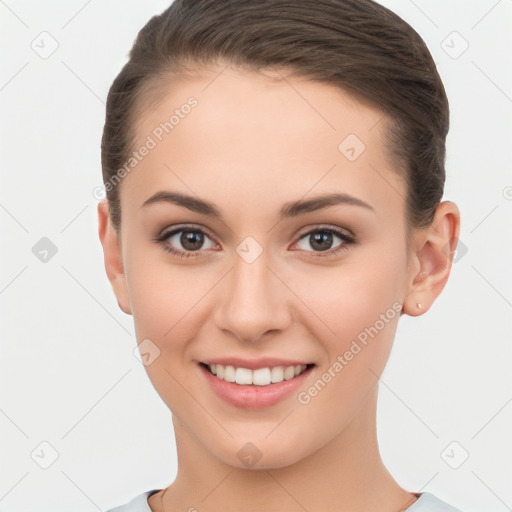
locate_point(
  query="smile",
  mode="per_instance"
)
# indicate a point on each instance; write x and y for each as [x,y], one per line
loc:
[256,383]
[258,377]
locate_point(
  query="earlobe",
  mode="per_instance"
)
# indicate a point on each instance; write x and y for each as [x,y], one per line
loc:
[434,256]
[113,257]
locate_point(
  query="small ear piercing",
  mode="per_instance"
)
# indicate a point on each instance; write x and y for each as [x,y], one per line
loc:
[419,305]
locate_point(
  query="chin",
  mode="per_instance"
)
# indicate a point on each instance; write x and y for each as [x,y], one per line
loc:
[260,453]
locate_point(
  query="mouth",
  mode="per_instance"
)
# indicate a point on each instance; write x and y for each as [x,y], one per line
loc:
[258,387]
[263,376]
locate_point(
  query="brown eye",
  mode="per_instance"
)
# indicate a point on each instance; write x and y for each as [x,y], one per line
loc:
[323,240]
[185,242]
[191,240]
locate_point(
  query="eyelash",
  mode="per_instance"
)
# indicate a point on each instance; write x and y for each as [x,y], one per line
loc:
[347,240]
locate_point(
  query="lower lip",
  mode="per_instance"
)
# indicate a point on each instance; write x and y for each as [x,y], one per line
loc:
[252,396]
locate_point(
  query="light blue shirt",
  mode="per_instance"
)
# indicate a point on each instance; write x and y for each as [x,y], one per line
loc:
[425,503]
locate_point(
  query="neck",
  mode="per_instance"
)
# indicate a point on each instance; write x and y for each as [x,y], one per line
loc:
[346,474]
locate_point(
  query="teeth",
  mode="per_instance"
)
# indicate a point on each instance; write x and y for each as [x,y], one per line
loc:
[259,377]
[229,374]
[277,374]
[289,372]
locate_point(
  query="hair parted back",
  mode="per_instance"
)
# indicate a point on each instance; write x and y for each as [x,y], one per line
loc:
[356,45]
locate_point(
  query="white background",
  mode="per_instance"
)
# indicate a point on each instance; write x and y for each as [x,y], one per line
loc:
[68,376]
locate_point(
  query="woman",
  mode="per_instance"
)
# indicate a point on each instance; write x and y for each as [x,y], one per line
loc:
[274,173]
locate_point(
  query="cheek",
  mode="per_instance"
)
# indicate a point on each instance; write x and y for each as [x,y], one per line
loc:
[357,307]
[168,299]
[167,309]
[352,297]
[161,305]
[361,310]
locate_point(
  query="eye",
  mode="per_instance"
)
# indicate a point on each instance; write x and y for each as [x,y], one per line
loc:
[189,241]
[185,241]
[322,240]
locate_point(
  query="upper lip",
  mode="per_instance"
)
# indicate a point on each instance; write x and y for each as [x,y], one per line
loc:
[254,364]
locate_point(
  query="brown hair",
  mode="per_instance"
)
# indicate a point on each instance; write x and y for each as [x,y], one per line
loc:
[356,45]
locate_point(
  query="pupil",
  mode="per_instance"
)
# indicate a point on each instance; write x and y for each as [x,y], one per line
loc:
[191,240]
[321,240]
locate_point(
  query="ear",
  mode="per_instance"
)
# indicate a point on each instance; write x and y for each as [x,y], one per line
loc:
[432,259]
[113,257]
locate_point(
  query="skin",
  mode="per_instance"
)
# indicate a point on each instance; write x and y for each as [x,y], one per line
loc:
[253,143]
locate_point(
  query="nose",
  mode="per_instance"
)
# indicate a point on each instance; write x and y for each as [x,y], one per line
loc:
[253,301]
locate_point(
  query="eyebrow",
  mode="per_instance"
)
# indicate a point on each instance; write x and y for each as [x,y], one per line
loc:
[292,209]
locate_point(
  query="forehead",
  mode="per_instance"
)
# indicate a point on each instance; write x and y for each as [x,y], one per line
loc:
[227,94]
[252,133]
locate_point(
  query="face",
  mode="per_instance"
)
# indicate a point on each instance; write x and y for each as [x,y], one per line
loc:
[265,228]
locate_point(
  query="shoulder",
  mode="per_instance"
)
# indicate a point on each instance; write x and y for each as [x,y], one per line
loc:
[427,502]
[137,504]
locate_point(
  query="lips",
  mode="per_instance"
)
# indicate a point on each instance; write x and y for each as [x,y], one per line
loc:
[260,383]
